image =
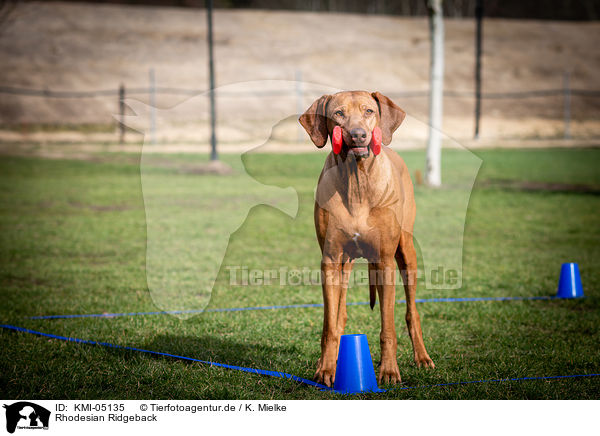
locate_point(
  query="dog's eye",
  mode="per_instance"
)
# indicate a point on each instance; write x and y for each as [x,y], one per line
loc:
[339,113]
[369,111]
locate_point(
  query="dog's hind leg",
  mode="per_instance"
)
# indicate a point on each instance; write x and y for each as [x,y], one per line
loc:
[372,284]
[406,257]
[386,288]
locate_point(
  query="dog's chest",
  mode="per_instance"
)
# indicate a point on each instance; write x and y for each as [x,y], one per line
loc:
[363,209]
[360,235]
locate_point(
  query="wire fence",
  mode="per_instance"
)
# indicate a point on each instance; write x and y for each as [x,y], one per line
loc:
[121,92]
[271,93]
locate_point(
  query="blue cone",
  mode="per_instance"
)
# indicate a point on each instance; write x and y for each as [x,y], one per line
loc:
[569,284]
[355,371]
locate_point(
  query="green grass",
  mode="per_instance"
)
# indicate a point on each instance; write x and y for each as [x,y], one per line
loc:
[73,240]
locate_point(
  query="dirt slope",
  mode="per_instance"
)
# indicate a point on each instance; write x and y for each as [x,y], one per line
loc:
[84,46]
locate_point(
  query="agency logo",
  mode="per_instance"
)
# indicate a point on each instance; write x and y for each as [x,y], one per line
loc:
[26,415]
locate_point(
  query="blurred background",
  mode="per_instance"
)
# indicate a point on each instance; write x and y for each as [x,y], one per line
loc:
[67,65]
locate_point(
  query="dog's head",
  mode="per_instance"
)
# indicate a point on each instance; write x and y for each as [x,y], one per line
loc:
[357,113]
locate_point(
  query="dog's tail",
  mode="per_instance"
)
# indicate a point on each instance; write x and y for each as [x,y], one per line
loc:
[372,286]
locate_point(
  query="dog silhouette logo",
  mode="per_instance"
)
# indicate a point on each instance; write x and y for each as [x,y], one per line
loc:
[26,415]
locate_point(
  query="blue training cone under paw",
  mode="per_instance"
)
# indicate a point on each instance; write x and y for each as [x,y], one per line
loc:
[355,371]
[569,284]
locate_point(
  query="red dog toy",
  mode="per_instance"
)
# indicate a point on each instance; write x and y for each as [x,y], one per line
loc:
[376,138]
[337,140]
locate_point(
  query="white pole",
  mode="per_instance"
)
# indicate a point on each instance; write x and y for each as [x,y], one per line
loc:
[433,173]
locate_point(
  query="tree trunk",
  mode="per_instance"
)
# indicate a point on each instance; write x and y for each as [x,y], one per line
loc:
[433,175]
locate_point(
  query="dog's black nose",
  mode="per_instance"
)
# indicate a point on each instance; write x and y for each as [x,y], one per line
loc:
[359,135]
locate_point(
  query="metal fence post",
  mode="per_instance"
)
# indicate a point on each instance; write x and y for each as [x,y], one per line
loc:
[121,113]
[152,107]
[211,78]
[299,103]
[567,103]
[478,36]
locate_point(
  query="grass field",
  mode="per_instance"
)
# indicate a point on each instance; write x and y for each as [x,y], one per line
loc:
[73,240]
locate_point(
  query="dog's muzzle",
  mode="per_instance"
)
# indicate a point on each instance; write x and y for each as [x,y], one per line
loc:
[337,140]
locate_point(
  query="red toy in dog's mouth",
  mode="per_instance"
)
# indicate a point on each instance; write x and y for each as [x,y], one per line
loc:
[337,141]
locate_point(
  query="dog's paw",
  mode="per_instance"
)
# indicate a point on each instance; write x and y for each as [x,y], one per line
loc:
[325,374]
[389,372]
[424,361]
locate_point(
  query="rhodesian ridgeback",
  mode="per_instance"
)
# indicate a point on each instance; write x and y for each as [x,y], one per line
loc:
[365,207]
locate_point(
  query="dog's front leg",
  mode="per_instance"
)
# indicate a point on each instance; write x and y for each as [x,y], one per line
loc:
[386,288]
[342,317]
[331,277]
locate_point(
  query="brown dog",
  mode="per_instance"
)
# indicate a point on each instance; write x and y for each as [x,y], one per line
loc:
[364,207]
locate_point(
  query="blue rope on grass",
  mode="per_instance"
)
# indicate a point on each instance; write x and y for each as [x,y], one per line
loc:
[278,374]
[289,306]
[159,353]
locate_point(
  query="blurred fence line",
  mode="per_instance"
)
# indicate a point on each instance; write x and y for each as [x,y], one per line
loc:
[301,91]
[191,92]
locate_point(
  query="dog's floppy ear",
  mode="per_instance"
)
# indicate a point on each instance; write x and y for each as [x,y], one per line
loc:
[390,116]
[314,121]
